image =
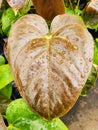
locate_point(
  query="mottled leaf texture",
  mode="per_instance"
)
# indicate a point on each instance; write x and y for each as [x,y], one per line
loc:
[92,7]
[50,68]
[48,9]
[17,4]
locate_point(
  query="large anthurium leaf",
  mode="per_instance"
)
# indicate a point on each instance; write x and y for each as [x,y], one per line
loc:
[50,67]
[5,75]
[22,118]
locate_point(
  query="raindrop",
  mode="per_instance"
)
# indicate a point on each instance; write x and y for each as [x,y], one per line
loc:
[47,57]
[75,47]
[90,59]
[61,61]
[86,69]
[82,76]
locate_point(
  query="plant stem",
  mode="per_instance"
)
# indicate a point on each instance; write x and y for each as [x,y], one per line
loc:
[71,6]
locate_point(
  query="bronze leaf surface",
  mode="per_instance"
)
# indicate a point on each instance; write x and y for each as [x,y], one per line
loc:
[50,67]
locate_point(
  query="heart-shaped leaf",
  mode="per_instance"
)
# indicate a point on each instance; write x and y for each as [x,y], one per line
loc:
[50,68]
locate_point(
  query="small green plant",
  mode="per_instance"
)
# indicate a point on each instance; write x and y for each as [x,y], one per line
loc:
[5,84]
[22,118]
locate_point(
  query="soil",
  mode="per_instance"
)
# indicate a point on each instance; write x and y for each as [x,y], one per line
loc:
[84,114]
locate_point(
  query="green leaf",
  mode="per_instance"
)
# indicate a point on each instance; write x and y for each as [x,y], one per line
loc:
[8,18]
[90,81]
[78,12]
[6,91]
[69,11]
[95,59]
[2,60]
[22,118]
[5,75]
